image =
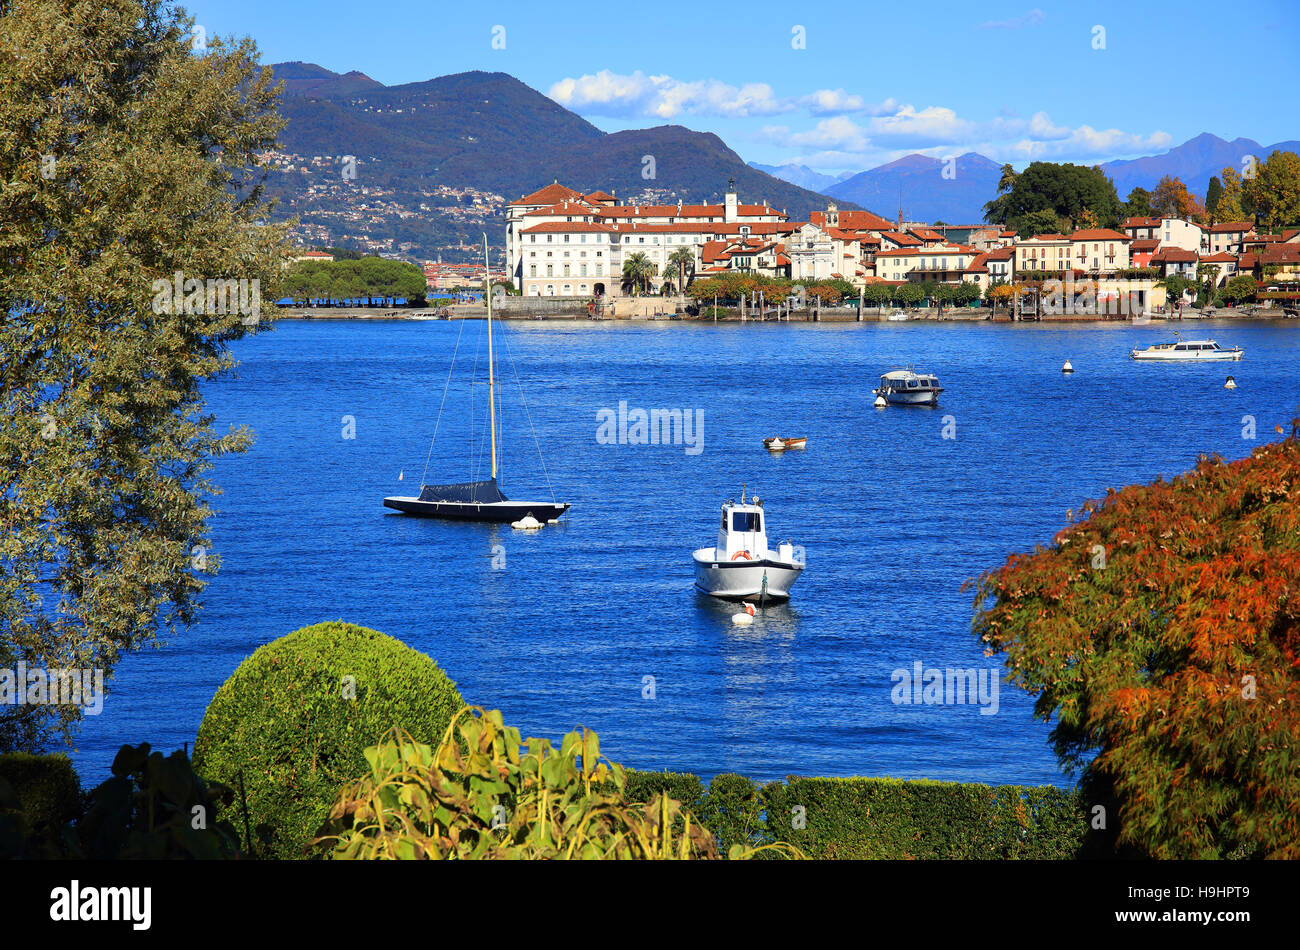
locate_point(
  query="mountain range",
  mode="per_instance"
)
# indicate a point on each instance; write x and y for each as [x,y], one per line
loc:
[492,132]
[437,159]
[926,195]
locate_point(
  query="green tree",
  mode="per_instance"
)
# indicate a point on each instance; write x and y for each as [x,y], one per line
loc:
[877,294]
[1065,190]
[1213,192]
[909,294]
[127,160]
[1139,204]
[1229,206]
[1274,193]
[966,293]
[1239,288]
[1043,221]
[1175,286]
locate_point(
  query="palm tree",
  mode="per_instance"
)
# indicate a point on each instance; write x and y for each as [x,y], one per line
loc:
[684,260]
[638,270]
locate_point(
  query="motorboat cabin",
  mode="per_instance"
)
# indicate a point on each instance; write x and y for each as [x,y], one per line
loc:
[903,387]
[742,564]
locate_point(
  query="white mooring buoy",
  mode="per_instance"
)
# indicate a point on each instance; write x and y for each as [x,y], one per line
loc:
[745,617]
[1067,368]
[1230,384]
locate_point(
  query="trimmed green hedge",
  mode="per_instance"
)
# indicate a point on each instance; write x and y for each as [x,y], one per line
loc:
[46,787]
[837,818]
[291,725]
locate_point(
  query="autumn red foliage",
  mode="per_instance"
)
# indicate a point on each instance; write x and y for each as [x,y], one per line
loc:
[1162,635]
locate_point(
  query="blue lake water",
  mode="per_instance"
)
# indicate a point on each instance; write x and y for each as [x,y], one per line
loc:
[892,515]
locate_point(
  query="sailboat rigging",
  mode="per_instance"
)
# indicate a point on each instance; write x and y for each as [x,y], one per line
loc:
[477,500]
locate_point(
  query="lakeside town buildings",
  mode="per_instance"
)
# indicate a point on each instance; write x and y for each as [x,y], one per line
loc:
[561,242]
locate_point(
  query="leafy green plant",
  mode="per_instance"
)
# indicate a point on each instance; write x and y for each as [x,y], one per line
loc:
[483,792]
[292,723]
[154,808]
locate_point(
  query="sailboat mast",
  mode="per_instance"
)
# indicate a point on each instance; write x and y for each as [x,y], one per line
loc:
[492,383]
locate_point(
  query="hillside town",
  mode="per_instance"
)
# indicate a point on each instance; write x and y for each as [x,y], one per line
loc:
[561,242]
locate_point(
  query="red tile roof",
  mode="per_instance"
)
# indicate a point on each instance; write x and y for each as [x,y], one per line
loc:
[1099,234]
[1229,226]
[899,237]
[1278,254]
[1220,258]
[1142,223]
[568,227]
[563,207]
[551,194]
[1174,254]
[860,220]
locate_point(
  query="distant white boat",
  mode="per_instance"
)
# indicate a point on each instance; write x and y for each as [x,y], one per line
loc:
[1189,351]
[741,565]
[903,387]
[896,316]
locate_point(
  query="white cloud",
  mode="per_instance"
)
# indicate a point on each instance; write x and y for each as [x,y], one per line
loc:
[1086,143]
[1032,18]
[839,102]
[635,94]
[663,97]
[928,126]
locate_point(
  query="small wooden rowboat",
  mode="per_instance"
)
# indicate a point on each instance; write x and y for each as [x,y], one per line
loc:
[780,445]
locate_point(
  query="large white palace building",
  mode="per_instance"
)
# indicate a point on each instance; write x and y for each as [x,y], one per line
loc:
[562,243]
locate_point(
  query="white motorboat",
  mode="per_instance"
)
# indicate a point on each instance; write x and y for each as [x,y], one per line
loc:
[896,317]
[903,387]
[741,565]
[1190,350]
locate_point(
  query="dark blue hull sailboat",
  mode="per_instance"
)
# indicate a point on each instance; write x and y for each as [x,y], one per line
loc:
[474,501]
[481,500]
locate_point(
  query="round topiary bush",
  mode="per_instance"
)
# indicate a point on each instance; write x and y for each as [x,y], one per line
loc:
[294,719]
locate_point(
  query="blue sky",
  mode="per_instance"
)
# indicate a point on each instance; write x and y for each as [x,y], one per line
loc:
[869,82]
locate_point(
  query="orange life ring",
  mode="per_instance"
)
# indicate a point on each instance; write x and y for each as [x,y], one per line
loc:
[744,554]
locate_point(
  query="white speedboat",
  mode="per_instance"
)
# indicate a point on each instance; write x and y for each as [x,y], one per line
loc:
[1191,350]
[903,387]
[896,317]
[741,565]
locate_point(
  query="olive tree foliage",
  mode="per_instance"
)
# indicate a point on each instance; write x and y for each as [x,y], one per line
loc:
[128,155]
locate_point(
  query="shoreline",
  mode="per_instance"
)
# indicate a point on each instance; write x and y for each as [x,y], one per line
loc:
[826,316]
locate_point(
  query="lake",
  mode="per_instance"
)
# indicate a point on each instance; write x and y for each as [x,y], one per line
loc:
[565,626]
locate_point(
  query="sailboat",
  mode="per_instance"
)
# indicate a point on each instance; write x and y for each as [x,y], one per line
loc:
[480,500]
